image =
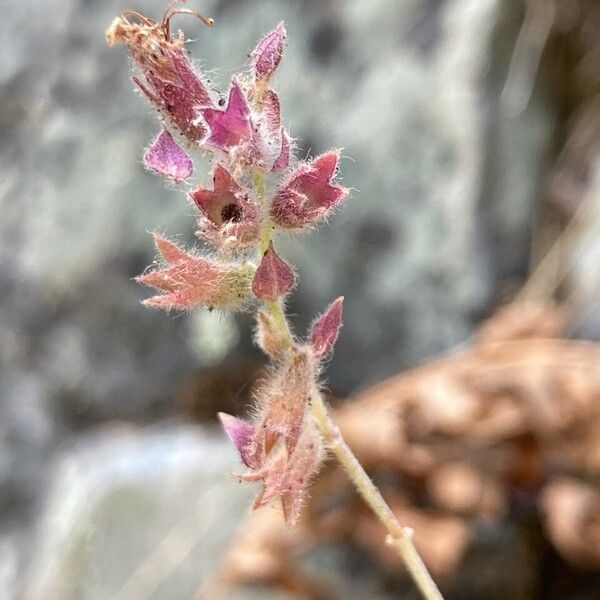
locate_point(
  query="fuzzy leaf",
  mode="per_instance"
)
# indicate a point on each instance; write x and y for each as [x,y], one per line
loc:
[273,278]
[326,328]
[166,157]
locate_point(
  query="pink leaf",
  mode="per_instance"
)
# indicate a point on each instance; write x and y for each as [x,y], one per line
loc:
[167,158]
[171,252]
[273,278]
[189,281]
[240,433]
[325,330]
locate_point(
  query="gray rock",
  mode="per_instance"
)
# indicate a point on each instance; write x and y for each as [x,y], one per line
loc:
[137,514]
[444,190]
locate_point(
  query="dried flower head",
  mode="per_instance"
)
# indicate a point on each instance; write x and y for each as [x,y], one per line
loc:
[172,85]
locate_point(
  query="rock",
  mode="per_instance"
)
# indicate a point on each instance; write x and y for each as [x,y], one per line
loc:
[409,89]
[137,513]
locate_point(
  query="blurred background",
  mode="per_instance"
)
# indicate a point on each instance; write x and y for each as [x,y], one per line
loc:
[470,135]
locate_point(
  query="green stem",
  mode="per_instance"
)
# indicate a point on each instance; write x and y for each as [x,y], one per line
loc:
[266,227]
[265,236]
[278,314]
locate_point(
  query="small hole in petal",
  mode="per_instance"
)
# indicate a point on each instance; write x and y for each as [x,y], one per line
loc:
[231,212]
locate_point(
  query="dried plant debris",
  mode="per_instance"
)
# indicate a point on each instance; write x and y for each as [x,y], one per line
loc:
[507,428]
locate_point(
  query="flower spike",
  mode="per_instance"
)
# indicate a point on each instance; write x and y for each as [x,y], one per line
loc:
[284,444]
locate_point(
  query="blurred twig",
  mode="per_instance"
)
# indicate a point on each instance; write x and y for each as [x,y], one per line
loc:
[527,55]
[551,271]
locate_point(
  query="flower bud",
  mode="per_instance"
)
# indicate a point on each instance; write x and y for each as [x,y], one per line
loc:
[166,157]
[268,52]
[326,328]
[273,278]
[268,138]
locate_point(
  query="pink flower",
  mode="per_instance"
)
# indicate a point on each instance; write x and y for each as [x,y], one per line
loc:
[172,84]
[188,281]
[326,328]
[308,195]
[268,52]
[273,278]
[167,158]
[229,215]
[229,127]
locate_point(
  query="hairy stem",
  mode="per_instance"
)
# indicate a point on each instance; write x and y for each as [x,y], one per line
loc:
[278,314]
[398,536]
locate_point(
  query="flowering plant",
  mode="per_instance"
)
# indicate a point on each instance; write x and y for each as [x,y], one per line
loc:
[258,189]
